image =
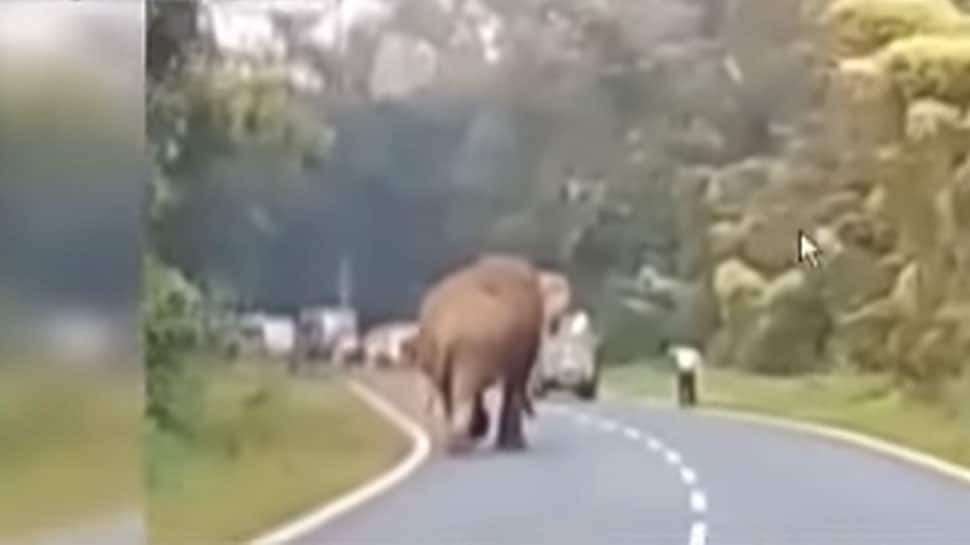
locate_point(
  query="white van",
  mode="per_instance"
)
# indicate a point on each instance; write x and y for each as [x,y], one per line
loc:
[279,335]
[326,326]
[569,358]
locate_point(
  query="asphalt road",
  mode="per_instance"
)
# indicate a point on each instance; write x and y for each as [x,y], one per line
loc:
[610,473]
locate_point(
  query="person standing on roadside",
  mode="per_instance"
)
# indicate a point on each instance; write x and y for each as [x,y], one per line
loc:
[688,361]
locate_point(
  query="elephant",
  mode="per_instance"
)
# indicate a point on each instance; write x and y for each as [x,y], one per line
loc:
[479,326]
[557,300]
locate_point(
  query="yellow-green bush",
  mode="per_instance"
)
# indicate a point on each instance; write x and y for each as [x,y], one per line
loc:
[861,27]
[928,118]
[247,104]
[930,67]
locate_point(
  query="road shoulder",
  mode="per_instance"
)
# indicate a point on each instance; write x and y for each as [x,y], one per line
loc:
[420,449]
[860,440]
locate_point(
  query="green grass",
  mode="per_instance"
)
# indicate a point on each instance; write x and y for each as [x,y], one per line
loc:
[296,445]
[69,446]
[862,403]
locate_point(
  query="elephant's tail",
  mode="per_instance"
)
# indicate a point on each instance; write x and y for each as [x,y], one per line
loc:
[445,385]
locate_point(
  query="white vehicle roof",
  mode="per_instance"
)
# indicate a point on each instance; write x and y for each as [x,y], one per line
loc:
[279,333]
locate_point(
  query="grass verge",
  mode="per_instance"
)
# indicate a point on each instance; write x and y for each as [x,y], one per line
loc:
[862,403]
[270,448]
[69,446]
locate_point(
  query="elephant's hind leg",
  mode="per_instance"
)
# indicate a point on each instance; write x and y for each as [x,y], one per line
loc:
[478,427]
[468,419]
[460,440]
[510,436]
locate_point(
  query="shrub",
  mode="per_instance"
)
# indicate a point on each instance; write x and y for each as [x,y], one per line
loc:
[861,27]
[930,67]
[170,327]
[630,336]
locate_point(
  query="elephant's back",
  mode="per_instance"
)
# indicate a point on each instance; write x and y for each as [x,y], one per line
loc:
[493,276]
[489,305]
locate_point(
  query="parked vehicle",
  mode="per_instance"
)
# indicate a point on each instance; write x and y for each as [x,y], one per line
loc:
[325,326]
[279,335]
[383,344]
[260,334]
[569,359]
[347,349]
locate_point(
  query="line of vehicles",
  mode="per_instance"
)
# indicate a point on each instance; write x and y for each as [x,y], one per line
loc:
[569,357]
[327,334]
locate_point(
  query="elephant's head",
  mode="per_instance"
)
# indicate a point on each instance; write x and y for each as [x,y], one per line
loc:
[556,297]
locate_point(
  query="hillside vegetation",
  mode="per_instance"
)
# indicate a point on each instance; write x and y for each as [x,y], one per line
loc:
[877,168]
[887,186]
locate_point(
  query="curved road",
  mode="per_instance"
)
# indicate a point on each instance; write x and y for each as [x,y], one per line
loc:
[613,473]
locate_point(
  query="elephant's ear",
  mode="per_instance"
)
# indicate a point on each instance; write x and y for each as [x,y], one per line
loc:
[556,294]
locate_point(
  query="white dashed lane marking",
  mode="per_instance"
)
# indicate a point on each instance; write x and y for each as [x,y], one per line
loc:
[673,457]
[697,497]
[698,534]
[632,433]
[698,501]
[608,426]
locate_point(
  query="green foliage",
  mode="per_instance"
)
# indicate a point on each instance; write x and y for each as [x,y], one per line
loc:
[201,109]
[253,125]
[928,118]
[197,99]
[865,26]
[171,327]
[929,66]
[914,71]
[252,109]
[629,335]
[228,109]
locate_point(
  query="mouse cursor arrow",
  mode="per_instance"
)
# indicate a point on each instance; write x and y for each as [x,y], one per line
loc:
[809,251]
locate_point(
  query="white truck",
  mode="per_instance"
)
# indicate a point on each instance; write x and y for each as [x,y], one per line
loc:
[279,335]
[324,327]
[260,334]
[569,359]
